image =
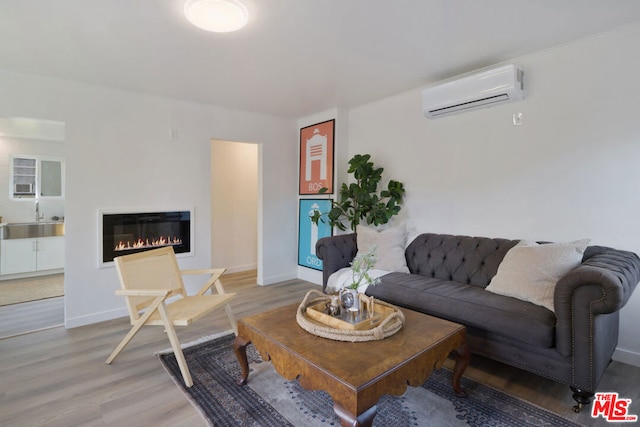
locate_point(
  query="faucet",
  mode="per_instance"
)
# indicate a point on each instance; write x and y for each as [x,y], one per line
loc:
[38,215]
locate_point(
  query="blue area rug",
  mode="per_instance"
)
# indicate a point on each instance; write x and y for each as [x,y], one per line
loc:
[270,400]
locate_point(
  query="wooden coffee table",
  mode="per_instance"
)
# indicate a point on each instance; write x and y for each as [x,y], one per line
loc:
[355,375]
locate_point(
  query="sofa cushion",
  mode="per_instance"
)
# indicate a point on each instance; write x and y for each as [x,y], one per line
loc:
[530,270]
[389,243]
[464,259]
[469,305]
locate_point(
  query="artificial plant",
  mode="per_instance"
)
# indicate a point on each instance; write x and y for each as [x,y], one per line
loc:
[360,267]
[360,199]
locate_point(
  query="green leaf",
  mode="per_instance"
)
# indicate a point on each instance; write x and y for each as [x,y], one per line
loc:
[360,201]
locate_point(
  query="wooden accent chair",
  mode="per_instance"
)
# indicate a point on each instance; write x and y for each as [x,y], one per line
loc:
[149,279]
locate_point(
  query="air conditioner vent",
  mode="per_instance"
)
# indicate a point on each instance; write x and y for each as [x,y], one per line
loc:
[481,90]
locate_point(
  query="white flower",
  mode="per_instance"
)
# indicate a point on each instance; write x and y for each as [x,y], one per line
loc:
[360,267]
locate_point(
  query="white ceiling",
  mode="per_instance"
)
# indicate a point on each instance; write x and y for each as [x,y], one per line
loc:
[296,57]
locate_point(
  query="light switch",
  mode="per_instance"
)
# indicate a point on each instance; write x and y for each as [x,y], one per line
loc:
[517,119]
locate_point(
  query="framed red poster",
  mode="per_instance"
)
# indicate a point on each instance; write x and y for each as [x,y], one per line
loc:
[316,158]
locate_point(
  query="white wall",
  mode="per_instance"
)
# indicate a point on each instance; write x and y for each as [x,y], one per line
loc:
[120,154]
[234,205]
[569,171]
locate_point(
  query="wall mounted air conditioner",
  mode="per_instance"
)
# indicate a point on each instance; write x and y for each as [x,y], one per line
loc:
[481,90]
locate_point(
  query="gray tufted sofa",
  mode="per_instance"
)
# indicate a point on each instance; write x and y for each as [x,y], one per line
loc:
[448,276]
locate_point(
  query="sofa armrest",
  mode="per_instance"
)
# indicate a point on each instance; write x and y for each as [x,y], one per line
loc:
[614,275]
[336,252]
[602,284]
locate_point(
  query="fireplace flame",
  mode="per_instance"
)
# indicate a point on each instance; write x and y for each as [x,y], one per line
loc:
[147,243]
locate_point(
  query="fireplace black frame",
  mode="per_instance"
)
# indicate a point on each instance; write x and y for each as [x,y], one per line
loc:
[144,224]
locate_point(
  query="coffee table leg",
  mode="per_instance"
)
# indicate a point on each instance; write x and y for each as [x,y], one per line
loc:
[347,419]
[240,348]
[463,355]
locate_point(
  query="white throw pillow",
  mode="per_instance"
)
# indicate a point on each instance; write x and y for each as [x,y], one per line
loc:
[389,247]
[530,271]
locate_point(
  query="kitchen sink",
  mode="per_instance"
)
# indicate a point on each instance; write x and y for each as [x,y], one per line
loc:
[28,230]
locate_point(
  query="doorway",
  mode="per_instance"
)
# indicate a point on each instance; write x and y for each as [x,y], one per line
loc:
[234,205]
[31,268]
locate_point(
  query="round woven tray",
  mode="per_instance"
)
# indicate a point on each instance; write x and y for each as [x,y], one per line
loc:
[389,326]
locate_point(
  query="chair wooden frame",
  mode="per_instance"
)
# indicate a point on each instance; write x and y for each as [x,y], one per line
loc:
[148,280]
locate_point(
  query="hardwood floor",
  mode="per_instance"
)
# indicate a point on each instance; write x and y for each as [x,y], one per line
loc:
[26,317]
[30,304]
[58,377]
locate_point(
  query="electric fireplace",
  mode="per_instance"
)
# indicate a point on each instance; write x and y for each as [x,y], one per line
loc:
[131,232]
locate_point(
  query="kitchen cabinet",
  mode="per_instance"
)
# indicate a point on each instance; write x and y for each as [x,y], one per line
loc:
[33,254]
[50,253]
[37,177]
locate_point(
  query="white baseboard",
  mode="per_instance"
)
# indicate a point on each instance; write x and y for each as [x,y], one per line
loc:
[626,356]
[276,279]
[75,322]
[241,268]
[31,274]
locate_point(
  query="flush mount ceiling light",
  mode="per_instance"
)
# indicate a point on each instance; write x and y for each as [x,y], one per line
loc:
[220,16]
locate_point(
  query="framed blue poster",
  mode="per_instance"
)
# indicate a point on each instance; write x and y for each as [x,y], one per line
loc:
[309,233]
